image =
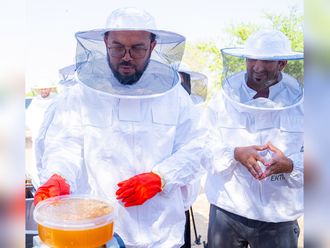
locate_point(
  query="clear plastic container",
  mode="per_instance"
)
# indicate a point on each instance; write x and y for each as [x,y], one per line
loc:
[74,221]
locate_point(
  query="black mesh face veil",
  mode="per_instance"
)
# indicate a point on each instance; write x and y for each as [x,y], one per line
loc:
[160,74]
[266,64]
[185,81]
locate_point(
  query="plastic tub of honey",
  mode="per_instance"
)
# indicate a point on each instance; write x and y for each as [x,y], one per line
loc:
[74,221]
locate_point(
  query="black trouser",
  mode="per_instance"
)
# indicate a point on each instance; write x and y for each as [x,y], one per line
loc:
[228,230]
[187,239]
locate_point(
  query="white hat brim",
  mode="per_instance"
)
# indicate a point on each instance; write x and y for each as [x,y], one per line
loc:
[162,36]
[38,87]
[244,53]
[194,75]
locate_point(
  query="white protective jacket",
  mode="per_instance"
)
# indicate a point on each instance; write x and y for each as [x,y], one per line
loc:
[190,191]
[95,140]
[198,85]
[229,185]
[34,119]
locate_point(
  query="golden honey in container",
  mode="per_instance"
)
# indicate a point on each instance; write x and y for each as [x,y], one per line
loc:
[74,221]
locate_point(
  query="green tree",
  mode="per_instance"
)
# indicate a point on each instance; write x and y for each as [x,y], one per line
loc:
[205,57]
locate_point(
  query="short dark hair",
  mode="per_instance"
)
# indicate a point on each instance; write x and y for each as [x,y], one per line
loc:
[152,37]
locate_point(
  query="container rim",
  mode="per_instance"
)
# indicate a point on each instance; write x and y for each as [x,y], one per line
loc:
[73,224]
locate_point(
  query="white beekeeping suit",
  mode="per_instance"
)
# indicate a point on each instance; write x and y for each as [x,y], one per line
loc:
[46,93]
[255,167]
[237,119]
[102,132]
[196,86]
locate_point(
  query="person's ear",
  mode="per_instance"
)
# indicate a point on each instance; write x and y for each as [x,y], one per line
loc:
[282,64]
[152,45]
[105,38]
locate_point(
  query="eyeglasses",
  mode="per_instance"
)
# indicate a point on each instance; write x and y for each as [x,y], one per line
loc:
[136,52]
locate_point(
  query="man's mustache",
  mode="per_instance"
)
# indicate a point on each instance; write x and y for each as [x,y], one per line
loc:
[126,63]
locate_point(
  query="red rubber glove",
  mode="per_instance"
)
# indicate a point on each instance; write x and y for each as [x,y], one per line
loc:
[55,186]
[138,189]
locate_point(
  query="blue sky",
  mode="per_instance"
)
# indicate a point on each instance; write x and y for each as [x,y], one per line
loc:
[51,25]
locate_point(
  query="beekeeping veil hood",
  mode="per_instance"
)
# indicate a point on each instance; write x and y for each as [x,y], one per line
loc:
[265,45]
[198,81]
[160,76]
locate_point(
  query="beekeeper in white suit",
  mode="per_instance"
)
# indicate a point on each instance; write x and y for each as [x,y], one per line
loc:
[126,129]
[195,83]
[255,177]
[45,91]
